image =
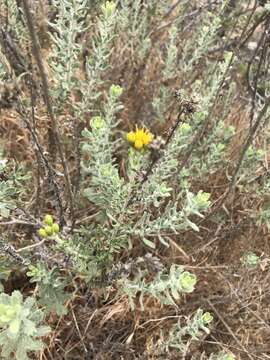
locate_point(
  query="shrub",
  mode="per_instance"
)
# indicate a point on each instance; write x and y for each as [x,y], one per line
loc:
[132,132]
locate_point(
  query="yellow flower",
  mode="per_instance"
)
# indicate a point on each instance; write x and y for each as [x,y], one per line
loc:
[131,137]
[138,144]
[146,138]
[139,138]
[48,219]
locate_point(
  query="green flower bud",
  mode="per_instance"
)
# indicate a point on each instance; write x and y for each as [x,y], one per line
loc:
[97,122]
[116,90]
[48,220]
[108,8]
[187,281]
[49,230]
[202,199]
[207,318]
[55,228]
[229,357]
[42,233]
[260,153]
[225,356]
[250,151]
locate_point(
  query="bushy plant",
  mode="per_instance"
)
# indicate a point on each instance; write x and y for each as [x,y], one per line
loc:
[11,186]
[64,57]
[134,180]
[164,287]
[50,288]
[180,337]
[20,326]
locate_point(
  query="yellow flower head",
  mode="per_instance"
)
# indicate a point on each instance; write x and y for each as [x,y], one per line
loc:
[139,138]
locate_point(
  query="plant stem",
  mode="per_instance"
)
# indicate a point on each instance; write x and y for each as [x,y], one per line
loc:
[53,131]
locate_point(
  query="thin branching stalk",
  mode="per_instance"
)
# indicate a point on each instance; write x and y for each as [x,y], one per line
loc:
[53,129]
[44,161]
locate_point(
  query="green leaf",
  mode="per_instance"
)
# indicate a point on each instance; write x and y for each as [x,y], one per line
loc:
[163,241]
[148,243]
[20,326]
[4,211]
[192,225]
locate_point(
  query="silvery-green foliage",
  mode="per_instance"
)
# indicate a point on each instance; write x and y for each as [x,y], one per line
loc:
[165,287]
[2,67]
[135,162]
[209,85]
[10,187]
[98,60]
[134,25]
[20,326]
[104,186]
[222,355]
[50,288]
[136,21]
[217,144]
[15,22]
[158,187]
[209,153]
[167,165]
[203,38]
[110,192]
[106,189]
[64,57]
[86,251]
[250,260]
[254,158]
[7,201]
[161,100]
[171,220]
[171,58]
[180,336]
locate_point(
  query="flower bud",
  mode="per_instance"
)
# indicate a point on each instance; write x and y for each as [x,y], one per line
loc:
[108,8]
[49,230]
[42,233]
[116,90]
[207,318]
[187,281]
[97,122]
[48,219]
[55,228]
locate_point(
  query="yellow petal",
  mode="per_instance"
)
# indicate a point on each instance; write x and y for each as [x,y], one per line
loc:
[138,135]
[131,137]
[138,144]
[147,138]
